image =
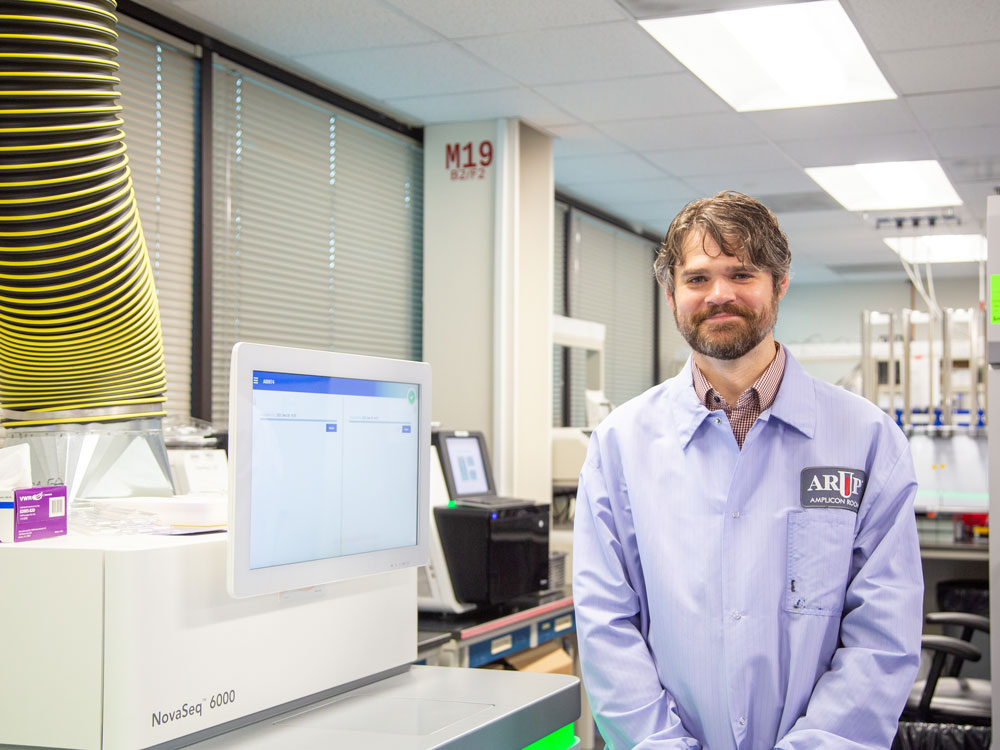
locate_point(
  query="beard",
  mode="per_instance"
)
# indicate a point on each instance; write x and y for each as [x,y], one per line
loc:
[730,339]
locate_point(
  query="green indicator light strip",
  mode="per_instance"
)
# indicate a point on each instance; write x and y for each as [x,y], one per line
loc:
[994,298]
[561,739]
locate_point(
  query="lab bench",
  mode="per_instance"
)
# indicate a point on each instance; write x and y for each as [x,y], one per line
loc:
[479,638]
[476,639]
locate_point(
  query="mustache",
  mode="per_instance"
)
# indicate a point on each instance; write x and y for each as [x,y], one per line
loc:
[729,308]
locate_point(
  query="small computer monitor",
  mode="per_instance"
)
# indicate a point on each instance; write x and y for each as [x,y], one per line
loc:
[465,463]
[329,458]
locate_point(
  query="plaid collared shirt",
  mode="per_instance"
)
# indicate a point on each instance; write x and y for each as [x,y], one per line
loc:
[751,402]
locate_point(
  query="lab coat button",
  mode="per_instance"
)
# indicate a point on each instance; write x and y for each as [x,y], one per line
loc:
[736,615]
[736,514]
[718,421]
[742,721]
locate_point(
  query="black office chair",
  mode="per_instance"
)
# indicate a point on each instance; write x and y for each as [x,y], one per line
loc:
[919,735]
[969,623]
[964,595]
[944,696]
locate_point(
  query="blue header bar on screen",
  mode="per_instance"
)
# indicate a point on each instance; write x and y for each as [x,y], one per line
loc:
[283,381]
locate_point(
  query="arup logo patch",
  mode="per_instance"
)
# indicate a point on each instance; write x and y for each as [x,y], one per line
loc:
[832,487]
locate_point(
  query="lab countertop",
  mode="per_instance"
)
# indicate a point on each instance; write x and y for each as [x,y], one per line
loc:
[955,551]
[423,708]
[471,624]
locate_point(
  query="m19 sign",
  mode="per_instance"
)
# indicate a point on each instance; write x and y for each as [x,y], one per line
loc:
[468,161]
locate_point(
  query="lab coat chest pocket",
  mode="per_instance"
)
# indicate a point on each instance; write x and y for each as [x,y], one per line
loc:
[820,544]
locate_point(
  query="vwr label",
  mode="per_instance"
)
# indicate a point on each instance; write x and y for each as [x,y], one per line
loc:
[468,161]
[187,710]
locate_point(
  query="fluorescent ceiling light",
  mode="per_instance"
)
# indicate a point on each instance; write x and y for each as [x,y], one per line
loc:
[776,57]
[887,185]
[939,248]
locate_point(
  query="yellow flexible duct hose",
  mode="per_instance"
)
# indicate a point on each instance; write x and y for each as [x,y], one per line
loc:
[80,337]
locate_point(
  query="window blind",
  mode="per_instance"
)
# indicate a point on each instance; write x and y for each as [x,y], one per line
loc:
[674,350]
[378,251]
[611,283]
[559,258]
[159,91]
[558,307]
[316,230]
[630,366]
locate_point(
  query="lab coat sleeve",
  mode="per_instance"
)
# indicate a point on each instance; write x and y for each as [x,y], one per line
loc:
[630,706]
[857,702]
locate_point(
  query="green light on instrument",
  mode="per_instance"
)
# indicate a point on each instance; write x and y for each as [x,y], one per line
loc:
[561,739]
[452,503]
[994,298]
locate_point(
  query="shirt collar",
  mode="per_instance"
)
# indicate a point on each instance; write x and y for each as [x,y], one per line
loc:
[765,387]
[795,403]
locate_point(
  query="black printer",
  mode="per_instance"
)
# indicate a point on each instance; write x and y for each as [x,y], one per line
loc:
[496,548]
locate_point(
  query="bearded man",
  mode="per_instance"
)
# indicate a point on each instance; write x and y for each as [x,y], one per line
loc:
[746,566]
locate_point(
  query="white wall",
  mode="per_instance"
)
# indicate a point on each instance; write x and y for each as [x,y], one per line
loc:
[488,293]
[458,281]
[532,299]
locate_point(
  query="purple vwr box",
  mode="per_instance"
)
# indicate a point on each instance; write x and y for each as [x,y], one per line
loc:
[33,513]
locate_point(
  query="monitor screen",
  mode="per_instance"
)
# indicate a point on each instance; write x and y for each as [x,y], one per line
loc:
[333,467]
[329,459]
[467,470]
[465,463]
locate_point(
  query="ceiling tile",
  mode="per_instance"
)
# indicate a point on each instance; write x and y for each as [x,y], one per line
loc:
[958,109]
[656,225]
[659,211]
[482,105]
[941,69]
[425,69]
[301,27]
[574,170]
[635,98]
[755,182]
[911,24]
[466,18]
[685,162]
[632,193]
[696,131]
[577,53]
[983,140]
[861,149]
[862,245]
[582,140]
[835,121]
[654,215]
[817,200]
[823,220]
[974,194]
[974,169]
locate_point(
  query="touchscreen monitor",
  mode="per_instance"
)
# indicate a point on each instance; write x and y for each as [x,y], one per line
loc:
[328,462]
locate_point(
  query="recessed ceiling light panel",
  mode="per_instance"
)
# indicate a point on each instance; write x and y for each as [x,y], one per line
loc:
[887,185]
[939,248]
[776,57]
